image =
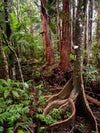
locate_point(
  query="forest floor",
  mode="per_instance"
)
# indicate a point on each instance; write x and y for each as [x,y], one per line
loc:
[50,80]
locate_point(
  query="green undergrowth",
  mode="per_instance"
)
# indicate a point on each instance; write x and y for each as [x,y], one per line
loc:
[14,106]
[17,106]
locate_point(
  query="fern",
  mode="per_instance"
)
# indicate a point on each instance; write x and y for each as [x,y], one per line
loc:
[13,21]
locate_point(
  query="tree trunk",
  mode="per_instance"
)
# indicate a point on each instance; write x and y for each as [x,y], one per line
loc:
[58,25]
[98,33]
[8,28]
[90,15]
[31,24]
[45,34]
[5,60]
[31,30]
[85,35]
[73,91]
[65,47]
[74,16]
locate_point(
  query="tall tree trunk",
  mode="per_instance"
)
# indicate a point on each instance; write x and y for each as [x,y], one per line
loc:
[74,16]
[5,60]
[58,25]
[31,30]
[98,33]
[65,47]
[71,24]
[8,28]
[85,34]
[79,26]
[90,15]
[45,34]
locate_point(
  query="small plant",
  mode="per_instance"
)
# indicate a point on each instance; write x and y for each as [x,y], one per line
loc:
[93,131]
[68,114]
[41,100]
[48,119]
[82,127]
[56,113]
[71,57]
[40,109]
[36,73]
[41,129]
[90,73]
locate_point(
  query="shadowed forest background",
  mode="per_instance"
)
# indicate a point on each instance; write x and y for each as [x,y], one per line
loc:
[49,66]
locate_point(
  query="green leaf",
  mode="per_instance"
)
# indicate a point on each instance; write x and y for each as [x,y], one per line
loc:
[3,82]
[9,82]
[24,42]
[6,93]
[1,129]
[15,93]
[20,131]
[10,130]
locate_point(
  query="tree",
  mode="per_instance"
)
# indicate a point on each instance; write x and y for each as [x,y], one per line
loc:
[5,60]
[8,28]
[90,14]
[45,34]
[73,91]
[98,32]
[74,15]
[58,25]
[65,46]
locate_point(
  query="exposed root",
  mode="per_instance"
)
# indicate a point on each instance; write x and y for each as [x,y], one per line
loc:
[93,100]
[66,100]
[62,94]
[87,111]
[54,104]
[69,120]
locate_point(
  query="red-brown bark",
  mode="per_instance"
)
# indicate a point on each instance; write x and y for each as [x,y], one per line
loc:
[45,34]
[65,47]
[74,14]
